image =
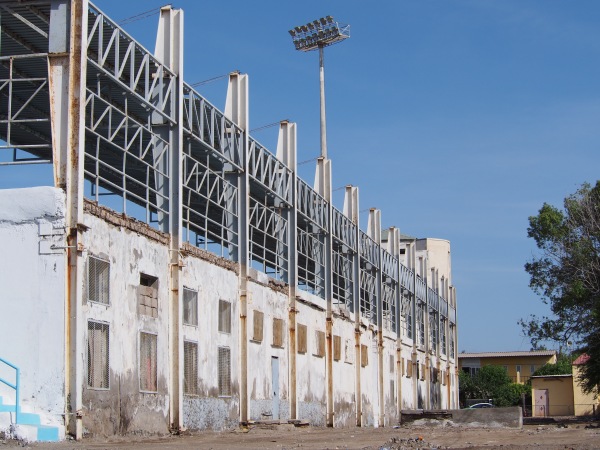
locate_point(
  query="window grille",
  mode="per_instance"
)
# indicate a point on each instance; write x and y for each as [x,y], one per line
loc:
[224,371]
[98,355]
[148,296]
[443,340]
[320,343]
[190,368]
[452,349]
[337,347]
[258,318]
[301,338]
[148,352]
[190,307]
[224,316]
[278,335]
[98,280]
[349,351]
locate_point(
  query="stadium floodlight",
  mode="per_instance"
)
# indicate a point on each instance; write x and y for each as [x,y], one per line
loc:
[319,34]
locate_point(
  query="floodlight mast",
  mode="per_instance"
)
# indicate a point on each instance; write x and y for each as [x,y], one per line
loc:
[319,34]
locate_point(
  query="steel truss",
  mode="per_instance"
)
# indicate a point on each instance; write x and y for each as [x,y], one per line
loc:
[142,121]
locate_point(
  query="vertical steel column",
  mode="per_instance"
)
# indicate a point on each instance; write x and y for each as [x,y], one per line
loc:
[323,187]
[75,130]
[286,152]
[374,232]
[236,108]
[412,260]
[322,102]
[169,50]
[427,336]
[352,212]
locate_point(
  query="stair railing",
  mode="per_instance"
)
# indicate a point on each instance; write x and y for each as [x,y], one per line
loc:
[13,386]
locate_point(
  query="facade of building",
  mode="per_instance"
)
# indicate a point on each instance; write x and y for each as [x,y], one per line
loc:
[562,395]
[519,365]
[178,273]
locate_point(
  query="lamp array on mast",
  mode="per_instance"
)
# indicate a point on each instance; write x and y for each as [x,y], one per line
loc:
[319,33]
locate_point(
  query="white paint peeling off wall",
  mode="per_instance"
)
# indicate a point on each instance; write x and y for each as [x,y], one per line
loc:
[124,406]
[32,317]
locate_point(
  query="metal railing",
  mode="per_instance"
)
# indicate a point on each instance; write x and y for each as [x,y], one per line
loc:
[13,386]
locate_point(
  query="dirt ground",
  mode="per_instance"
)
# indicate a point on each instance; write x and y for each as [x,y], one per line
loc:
[548,437]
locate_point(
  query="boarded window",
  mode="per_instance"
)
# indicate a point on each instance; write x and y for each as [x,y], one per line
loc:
[98,280]
[392,390]
[392,364]
[190,307]
[278,332]
[224,316]
[337,347]
[257,334]
[98,354]
[364,356]
[301,338]
[319,343]
[224,371]
[409,368]
[148,352]
[444,375]
[148,296]
[190,368]
[422,372]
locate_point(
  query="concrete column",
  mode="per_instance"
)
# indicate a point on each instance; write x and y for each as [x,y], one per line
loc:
[236,108]
[169,50]
[351,210]
[286,153]
[72,176]
[393,246]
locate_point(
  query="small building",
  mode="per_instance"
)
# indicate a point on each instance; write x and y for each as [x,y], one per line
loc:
[562,395]
[519,365]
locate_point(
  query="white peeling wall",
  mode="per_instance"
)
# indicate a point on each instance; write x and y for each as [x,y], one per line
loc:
[344,373]
[208,409]
[123,407]
[32,314]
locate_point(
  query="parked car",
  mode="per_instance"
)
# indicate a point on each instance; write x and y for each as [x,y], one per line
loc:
[481,405]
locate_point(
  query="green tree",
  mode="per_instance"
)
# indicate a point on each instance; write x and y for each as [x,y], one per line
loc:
[491,382]
[566,274]
[563,366]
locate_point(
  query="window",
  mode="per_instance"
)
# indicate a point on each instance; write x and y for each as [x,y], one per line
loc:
[224,371]
[257,334]
[392,364]
[392,390]
[148,296]
[337,347]
[349,351]
[190,368]
[98,353]
[320,344]
[278,332]
[518,368]
[532,369]
[148,353]
[301,338]
[224,316]
[190,307]
[364,356]
[98,280]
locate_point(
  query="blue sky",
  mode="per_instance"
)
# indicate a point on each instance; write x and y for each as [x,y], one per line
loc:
[457,119]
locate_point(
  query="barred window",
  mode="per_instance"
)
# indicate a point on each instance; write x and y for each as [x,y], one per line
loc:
[319,343]
[224,371]
[301,338]
[190,368]
[148,352]
[349,351]
[224,316]
[257,332]
[98,280]
[98,355]
[190,307]
[278,332]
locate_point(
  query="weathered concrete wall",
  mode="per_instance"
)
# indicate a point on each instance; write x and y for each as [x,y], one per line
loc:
[32,298]
[344,371]
[489,417]
[124,407]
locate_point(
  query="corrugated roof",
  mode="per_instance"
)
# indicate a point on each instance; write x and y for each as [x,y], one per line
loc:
[505,354]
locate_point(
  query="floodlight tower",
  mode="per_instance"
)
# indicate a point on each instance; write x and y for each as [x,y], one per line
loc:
[319,34]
